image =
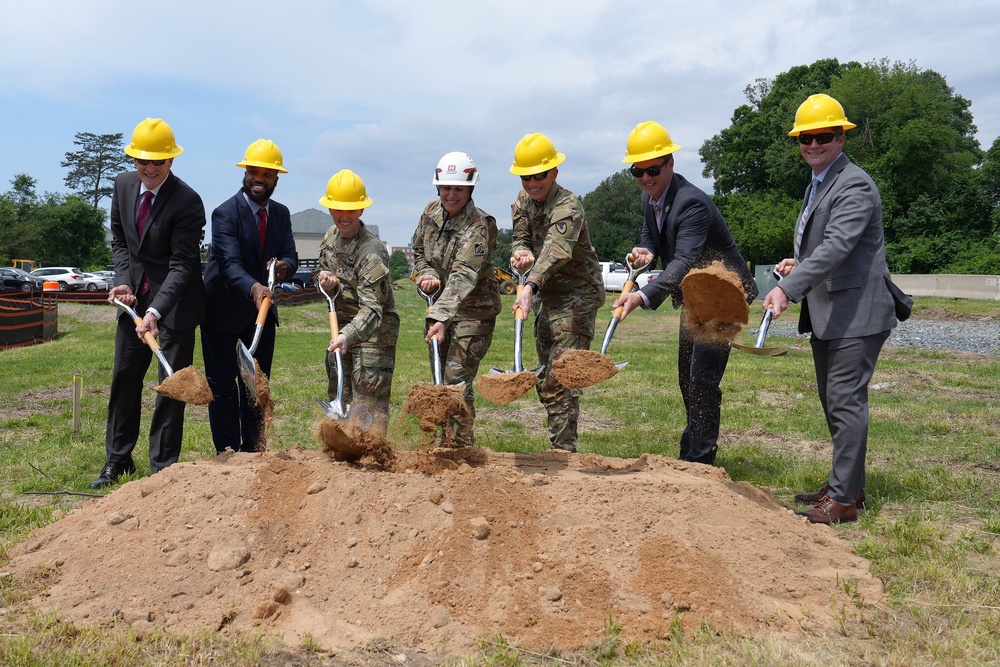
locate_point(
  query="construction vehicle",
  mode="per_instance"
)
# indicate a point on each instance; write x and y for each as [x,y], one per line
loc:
[506,280]
[24,264]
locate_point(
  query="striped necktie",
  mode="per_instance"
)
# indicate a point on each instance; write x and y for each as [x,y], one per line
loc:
[801,227]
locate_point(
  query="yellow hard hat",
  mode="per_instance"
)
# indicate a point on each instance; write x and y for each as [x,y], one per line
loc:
[345,191]
[263,153]
[648,140]
[817,112]
[153,139]
[534,154]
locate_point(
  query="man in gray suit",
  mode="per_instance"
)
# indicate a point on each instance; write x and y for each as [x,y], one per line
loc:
[839,275]
[157,222]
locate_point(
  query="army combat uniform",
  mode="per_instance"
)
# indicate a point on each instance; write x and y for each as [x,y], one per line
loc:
[366,312]
[458,251]
[570,291]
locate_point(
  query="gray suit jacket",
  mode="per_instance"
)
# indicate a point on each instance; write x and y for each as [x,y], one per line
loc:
[840,269]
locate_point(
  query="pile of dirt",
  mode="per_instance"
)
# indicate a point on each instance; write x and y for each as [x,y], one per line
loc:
[187,385]
[715,304]
[443,549]
[349,440]
[504,388]
[435,406]
[576,369]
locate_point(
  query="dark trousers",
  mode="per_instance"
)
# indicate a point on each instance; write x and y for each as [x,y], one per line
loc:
[844,367]
[132,359]
[235,417]
[700,367]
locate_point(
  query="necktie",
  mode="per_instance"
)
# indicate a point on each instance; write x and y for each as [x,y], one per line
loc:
[801,227]
[657,212]
[140,222]
[262,228]
[143,214]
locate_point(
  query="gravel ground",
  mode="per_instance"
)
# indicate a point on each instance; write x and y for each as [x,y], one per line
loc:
[976,337]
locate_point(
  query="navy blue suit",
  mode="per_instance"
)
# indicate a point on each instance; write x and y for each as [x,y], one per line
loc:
[236,265]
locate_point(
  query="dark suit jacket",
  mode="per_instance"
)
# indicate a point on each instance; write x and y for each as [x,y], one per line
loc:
[236,264]
[840,268]
[694,235]
[167,253]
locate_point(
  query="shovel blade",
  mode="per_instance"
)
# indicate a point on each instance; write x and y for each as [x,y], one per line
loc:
[333,409]
[621,364]
[248,370]
[761,351]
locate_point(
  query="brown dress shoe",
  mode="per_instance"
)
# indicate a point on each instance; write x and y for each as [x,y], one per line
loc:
[830,511]
[815,498]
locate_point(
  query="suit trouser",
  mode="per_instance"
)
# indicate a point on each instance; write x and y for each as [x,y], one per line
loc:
[844,367]
[234,415]
[132,359]
[700,367]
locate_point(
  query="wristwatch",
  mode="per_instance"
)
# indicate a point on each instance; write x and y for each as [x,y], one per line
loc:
[533,286]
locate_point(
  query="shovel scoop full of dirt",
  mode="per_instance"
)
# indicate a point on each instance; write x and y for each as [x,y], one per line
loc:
[715,304]
[347,440]
[576,369]
[188,386]
[503,388]
[435,406]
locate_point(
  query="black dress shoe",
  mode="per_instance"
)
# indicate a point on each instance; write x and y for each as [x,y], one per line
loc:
[111,472]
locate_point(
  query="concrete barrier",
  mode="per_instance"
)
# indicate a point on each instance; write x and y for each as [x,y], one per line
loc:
[943,285]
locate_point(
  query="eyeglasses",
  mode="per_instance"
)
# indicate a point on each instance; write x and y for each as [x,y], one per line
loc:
[538,177]
[821,139]
[145,162]
[653,171]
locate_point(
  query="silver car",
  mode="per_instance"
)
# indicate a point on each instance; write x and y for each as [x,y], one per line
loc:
[96,282]
[69,278]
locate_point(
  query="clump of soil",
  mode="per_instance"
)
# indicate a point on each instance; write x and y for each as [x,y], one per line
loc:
[576,369]
[435,406]
[187,385]
[347,440]
[262,393]
[715,304]
[504,388]
[443,550]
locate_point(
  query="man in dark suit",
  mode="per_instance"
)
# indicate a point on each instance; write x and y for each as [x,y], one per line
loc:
[684,230]
[157,222]
[839,276]
[248,230]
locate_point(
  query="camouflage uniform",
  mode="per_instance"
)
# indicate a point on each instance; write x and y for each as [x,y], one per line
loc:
[571,291]
[457,251]
[366,312]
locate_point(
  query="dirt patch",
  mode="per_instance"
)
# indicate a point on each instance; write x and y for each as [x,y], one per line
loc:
[715,304]
[187,385]
[347,440]
[504,388]
[435,406]
[576,369]
[945,314]
[443,549]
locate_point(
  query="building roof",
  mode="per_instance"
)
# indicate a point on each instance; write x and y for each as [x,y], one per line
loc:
[315,221]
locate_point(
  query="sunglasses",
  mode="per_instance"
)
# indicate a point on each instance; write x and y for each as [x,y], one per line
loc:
[821,139]
[145,162]
[653,171]
[538,177]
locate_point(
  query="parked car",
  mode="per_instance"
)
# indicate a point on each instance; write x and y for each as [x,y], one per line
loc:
[304,278]
[96,283]
[110,275]
[69,278]
[18,280]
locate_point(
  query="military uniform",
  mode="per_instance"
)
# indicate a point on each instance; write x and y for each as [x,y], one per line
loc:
[457,250]
[570,292]
[366,311]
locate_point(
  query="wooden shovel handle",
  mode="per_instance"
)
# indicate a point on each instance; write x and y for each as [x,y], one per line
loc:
[518,313]
[148,337]
[626,288]
[334,325]
[265,305]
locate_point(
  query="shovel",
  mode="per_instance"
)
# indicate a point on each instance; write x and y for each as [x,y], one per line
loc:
[616,315]
[758,347]
[337,409]
[200,384]
[244,355]
[435,345]
[519,317]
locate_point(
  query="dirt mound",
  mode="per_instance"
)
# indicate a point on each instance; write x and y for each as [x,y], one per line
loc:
[445,548]
[504,388]
[435,406]
[576,369]
[715,304]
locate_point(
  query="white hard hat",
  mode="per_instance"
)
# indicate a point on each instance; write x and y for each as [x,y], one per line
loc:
[456,168]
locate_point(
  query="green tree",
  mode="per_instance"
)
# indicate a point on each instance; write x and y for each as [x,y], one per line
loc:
[399,267]
[92,168]
[501,255]
[614,215]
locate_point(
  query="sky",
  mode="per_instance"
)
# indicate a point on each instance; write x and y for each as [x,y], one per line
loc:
[385,88]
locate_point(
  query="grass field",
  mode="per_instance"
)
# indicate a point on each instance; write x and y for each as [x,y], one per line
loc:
[930,530]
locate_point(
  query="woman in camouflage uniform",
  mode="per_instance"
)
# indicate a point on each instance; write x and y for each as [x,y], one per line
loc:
[366,309]
[452,250]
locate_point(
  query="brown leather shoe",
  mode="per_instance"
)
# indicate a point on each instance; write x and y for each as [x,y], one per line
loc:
[815,498]
[830,511]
